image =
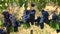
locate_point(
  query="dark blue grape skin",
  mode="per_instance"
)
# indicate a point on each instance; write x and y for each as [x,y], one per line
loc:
[2,31]
[44,18]
[18,23]
[6,14]
[9,18]
[26,16]
[38,19]
[40,22]
[14,22]
[32,16]
[54,16]
[42,25]
[15,29]
[29,16]
[45,15]
[6,21]
[6,18]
